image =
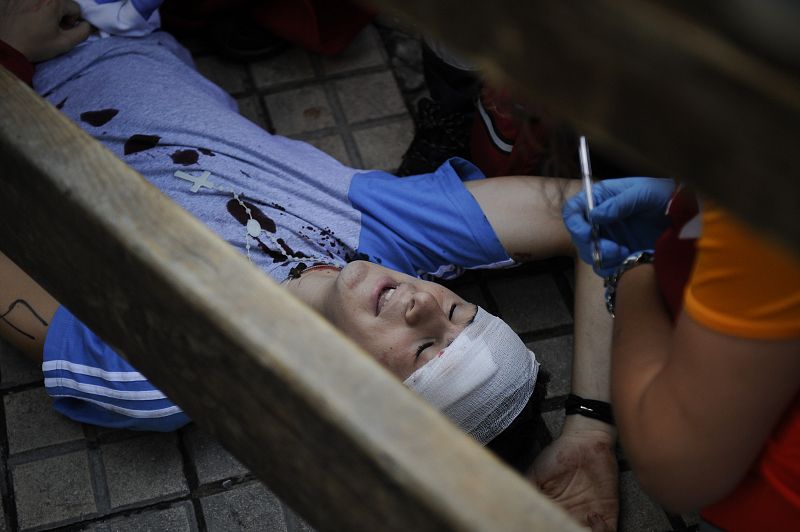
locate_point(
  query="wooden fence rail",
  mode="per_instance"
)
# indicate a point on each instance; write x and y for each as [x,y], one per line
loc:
[673,88]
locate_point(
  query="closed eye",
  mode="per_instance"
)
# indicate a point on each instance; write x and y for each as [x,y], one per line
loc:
[475,315]
[453,310]
[422,348]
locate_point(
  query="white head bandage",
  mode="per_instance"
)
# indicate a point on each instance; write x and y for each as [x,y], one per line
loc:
[482,380]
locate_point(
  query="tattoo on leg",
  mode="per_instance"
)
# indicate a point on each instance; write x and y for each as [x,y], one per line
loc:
[14,305]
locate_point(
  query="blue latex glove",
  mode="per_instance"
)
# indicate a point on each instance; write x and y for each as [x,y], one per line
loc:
[630,214]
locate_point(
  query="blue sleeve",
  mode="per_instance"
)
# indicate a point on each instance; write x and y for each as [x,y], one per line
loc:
[90,383]
[425,225]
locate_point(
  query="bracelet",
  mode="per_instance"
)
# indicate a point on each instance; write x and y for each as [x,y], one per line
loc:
[591,408]
[635,259]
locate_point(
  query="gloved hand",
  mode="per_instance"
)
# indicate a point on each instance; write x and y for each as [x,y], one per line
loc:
[630,214]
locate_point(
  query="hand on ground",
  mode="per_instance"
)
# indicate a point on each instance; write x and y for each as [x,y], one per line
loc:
[579,472]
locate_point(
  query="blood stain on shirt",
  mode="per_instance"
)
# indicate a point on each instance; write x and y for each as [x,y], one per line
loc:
[206,151]
[185,157]
[295,272]
[266,222]
[238,211]
[60,105]
[275,255]
[138,142]
[98,118]
[285,246]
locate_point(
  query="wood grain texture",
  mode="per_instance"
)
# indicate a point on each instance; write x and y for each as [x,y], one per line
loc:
[328,430]
[662,86]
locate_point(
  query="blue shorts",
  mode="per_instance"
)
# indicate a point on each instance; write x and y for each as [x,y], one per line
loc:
[425,225]
[90,383]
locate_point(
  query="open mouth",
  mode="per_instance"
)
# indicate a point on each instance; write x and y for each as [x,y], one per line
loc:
[384,297]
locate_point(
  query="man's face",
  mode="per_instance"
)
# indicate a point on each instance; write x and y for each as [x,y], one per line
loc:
[400,320]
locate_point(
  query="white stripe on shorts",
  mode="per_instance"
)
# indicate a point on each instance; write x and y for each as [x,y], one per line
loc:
[132,395]
[142,414]
[115,376]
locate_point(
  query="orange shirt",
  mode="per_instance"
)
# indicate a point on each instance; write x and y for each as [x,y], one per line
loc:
[745,285]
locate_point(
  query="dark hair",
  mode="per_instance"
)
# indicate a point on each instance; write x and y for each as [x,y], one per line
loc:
[519,443]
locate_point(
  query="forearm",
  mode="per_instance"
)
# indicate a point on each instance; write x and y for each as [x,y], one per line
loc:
[591,360]
[591,365]
[644,406]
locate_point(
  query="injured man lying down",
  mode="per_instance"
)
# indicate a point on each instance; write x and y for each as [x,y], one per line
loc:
[363,248]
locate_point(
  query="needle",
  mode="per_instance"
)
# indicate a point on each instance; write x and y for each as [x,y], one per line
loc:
[586,173]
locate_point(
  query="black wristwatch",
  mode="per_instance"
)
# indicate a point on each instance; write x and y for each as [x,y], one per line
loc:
[591,408]
[636,259]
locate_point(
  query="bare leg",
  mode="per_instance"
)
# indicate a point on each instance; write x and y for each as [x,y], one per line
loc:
[26,310]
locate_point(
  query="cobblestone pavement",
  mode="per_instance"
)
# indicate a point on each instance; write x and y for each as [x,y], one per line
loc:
[60,475]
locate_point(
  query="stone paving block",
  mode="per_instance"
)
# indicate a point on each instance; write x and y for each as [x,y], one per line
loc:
[637,512]
[555,355]
[530,303]
[16,368]
[365,51]
[290,66]
[53,490]
[178,518]
[249,507]
[370,96]
[143,469]
[300,110]
[382,147]
[250,108]
[212,462]
[333,145]
[230,76]
[32,422]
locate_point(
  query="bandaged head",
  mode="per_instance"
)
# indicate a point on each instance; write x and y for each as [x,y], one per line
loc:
[481,381]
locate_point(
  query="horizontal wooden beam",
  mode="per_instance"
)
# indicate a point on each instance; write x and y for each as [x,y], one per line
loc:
[654,83]
[330,431]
